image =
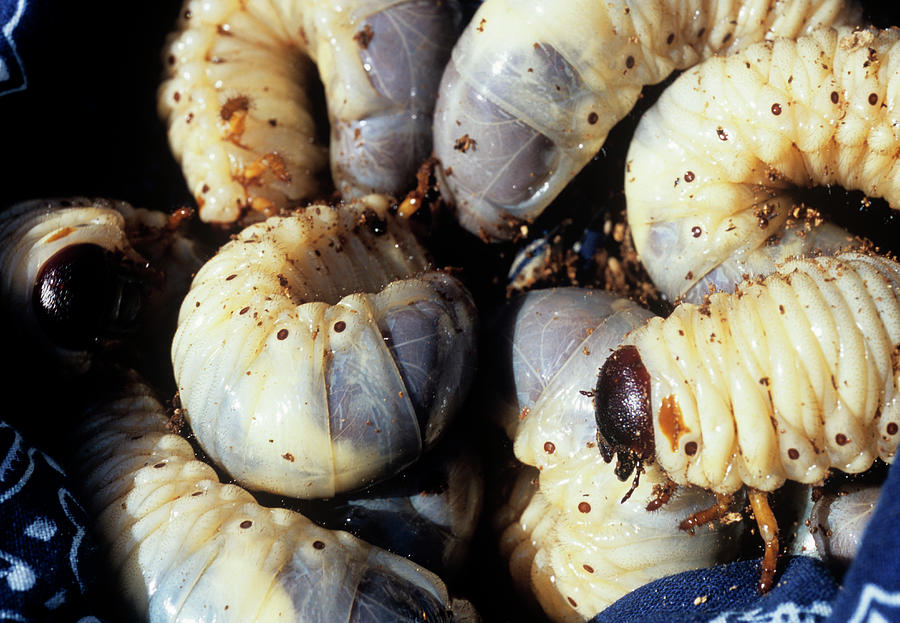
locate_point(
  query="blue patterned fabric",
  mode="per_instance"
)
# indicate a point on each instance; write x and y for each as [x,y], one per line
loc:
[48,566]
[12,77]
[806,592]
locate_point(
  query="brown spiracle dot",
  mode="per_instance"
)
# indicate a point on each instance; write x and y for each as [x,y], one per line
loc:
[549,447]
[339,326]
[776,109]
[160,465]
[892,428]
[690,448]
[588,568]
[689,176]
[584,507]
[834,97]
[696,231]
[572,602]
[873,98]
[244,311]
[246,524]
[593,118]
[282,335]
[841,439]
[722,134]
[629,62]
[318,545]
[793,454]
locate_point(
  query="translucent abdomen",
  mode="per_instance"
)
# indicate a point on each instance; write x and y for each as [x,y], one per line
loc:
[317,353]
[533,88]
[183,546]
[240,98]
[714,167]
[573,542]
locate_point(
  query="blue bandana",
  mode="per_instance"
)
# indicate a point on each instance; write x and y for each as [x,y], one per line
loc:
[47,556]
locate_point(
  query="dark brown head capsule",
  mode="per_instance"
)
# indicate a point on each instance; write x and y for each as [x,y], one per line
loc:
[622,410]
[84,294]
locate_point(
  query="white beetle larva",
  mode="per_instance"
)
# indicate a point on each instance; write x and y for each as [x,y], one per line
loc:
[713,168]
[838,521]
[572,542]
[789,378]
[185,547]
[534,87]
[238,97]
[73,279]
[317,353]
[428,513]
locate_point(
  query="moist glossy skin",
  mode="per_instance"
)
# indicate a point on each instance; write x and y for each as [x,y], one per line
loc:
[317,353]
[838,521]
[78,298]
[428,513]
[789,378]
[74,281]
[623,397]
[714,168]
[533,88]
[239,100]
[184,546]
[572,543]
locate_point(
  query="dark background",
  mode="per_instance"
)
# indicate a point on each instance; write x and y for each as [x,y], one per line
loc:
[87,125]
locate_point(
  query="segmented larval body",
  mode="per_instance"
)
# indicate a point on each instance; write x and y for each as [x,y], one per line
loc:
[428,513]
[785,379]
[714,167]
[185,547]
[317,353]
[78,272]
[533,88]
[240,97]
[839,520]
[571,539]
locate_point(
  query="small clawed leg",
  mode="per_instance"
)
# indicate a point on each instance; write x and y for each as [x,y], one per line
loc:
[661,495]
[768,530]
[707,515]
[638,470]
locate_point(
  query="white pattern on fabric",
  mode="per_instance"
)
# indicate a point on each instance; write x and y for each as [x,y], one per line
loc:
[14,453]
[57,600]
[64,498]
[787,612]
[42,529]
[18,574]
[15,448]
[5,63]
[876,605]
